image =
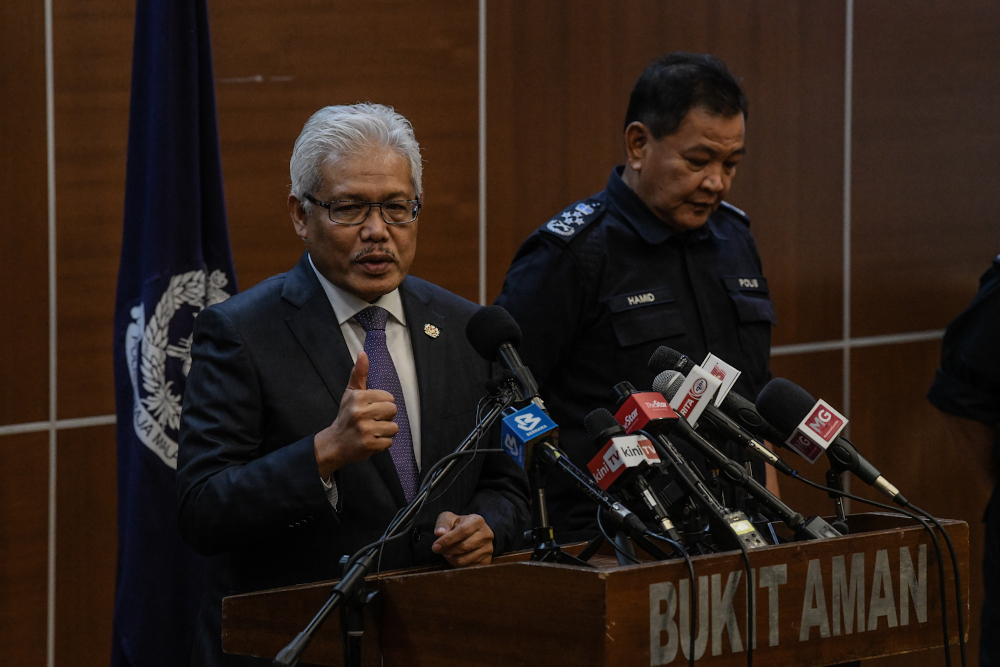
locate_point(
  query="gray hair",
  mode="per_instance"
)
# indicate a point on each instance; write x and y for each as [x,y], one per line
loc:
[336,131]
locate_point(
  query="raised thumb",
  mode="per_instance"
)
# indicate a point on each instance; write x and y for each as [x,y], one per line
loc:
[359,374]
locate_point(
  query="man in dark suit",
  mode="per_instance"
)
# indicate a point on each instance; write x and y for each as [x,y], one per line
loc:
[317,398]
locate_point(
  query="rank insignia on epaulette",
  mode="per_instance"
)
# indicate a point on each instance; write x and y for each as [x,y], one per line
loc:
[573,219]
[738,211]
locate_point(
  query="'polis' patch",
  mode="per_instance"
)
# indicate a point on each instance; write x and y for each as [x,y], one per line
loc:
[640,299]
[748,284]
[574,218]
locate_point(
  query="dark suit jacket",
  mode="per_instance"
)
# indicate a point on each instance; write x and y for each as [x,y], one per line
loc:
[269,369]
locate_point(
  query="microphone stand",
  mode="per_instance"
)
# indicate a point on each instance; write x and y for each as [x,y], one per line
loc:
[834,483]
[350,589]
[547,550]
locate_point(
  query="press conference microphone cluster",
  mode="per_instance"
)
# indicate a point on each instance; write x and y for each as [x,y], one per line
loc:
[805,529]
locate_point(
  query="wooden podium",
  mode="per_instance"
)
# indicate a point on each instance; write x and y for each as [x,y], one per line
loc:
[872,593]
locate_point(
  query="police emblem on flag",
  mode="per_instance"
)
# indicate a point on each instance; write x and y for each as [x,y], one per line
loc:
[158,355]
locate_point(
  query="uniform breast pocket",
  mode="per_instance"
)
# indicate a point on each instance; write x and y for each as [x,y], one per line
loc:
[645,316]
[755,313]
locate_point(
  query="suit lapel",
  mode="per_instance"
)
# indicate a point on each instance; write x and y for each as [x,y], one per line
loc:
[315,326]
[430,356]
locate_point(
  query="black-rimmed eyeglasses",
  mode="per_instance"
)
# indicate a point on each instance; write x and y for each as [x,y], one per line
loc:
[351,213]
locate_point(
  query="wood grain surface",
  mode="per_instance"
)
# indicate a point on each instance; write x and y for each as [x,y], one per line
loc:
[528,613]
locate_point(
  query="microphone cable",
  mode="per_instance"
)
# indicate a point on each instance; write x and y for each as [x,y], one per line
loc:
[610,540]
[692,598]
[958,583]
[937,551]
[750,598]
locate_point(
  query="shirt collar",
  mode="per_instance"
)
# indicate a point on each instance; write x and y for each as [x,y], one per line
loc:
[644,221]
[347,305]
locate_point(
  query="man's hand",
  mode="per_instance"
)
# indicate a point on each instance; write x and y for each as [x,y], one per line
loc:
[363,426]
[463,540]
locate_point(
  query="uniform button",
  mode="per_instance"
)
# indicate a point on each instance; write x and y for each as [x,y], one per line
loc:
[416,534]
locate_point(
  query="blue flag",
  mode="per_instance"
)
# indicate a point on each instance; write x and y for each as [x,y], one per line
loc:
[175,261]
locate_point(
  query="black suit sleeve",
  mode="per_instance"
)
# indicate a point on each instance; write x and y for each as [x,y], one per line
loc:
[235,490]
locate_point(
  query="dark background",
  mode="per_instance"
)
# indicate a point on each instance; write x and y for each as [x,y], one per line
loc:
[922,207]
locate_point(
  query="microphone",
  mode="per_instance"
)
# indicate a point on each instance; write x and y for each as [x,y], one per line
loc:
[649,412]
[668,382]
[624,464]
[789,407]
[495,335]
[742,411]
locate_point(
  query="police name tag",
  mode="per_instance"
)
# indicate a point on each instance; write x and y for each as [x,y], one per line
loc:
[747,284]
[640,299]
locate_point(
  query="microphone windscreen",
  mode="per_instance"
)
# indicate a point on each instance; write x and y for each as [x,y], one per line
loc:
[665,358]
[598,421]
[667,383]
[783,404]
[489,328]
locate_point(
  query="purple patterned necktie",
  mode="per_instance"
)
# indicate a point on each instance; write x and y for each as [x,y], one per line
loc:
[382,375]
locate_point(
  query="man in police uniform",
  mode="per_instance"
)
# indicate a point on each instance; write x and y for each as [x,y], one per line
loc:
[967,389]
[657,258]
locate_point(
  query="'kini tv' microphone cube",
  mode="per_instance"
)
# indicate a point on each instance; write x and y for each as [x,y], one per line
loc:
[621,454]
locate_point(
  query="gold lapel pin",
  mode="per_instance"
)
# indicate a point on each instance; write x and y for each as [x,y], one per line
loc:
[432,330]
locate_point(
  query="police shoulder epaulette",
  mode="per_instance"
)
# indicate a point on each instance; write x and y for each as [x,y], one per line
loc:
[739,213]
[577,216]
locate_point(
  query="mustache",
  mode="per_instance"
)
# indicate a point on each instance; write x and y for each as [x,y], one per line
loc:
[378,249]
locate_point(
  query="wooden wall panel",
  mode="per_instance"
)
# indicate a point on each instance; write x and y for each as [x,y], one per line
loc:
[24,327]
[924,180]
[902,435]
[86,511]
[821,374]
[278,63]
[559,79]
[93,57]
[24,500]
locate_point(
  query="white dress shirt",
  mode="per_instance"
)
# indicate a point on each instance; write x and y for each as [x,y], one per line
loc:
[397,336]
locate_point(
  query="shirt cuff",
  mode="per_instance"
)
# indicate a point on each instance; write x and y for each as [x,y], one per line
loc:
[332,494]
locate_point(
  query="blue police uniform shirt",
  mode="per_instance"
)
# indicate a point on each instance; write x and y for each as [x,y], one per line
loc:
[968,385]
[603,284]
